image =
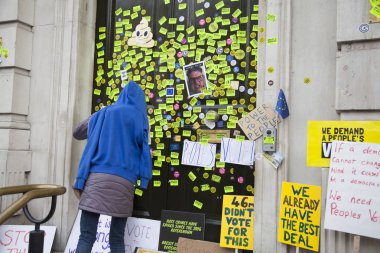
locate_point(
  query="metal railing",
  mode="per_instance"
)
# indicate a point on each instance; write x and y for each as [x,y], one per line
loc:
[30,192]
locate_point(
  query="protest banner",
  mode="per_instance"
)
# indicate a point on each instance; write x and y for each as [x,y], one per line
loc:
[138,233]
[176,224]
[254,123]
[300,215]
[186,245]
[320,135]
[237,222]
[15,238]
[353,199]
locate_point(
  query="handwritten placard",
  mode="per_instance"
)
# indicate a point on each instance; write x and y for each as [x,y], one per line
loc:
[198,154]
[237,222]
[300,215]
[138,233]
[15,238]
[237,152]
[353,191]
[321,134]
[176,224]
[254,123]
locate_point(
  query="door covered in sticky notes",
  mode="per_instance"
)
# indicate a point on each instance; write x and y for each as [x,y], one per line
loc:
[197,64]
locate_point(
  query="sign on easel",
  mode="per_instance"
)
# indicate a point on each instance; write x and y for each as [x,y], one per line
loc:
[237,222]
[300,215]
[15,238]
[175,224]
[353,199]
[138,233]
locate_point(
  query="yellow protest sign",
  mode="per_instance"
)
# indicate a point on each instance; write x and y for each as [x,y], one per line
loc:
[300,215]
[237,222]
[320,135]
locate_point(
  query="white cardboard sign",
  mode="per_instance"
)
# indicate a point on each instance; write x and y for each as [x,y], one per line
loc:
[353,192]
[138,233]
[198,154]
[15,238]
[237,152]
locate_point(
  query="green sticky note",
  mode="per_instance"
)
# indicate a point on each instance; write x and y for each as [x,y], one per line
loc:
[162,20]
[182,6]
[186,114]
[173,182]
[134,15]
[199,12]
[174,162]
[97,91]
[156,172]
[102,29]
[174,155]
[172,21]
[190,30]
[210,102]
[118,11]
[126,13]
[231,125]
[160,145]
[136,8]
[186,133]
[193,118]
[223,101]
[167,2]
[268,140]
[193,101]
[219,5]
[205,187]
[236,13]
[216,178]
[198,204]
[163,30]
[226,11]
[192,176]
[220,164]
[240,138]
[273,41]
[197,109]
[102,36]
[138,192]
[228,189]
[256,7]
[271,17]
[156,183]
[244,20]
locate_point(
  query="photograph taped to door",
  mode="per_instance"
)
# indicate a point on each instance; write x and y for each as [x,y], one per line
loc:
[195,78]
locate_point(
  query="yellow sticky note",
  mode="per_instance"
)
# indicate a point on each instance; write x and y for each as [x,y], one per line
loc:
[118,11]
[138,192]
[156,183]
[199,12]
[182,6]
[192,176]
[273,41]
[198,204]
[186,133]
[236,13]
[173,182]
[228,189]
[216,178]
[219,5]
[162,20]
[271,17]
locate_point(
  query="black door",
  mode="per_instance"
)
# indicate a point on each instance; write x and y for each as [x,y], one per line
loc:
[219,35]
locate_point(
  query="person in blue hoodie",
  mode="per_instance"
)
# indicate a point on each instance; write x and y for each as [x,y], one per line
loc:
[116,155]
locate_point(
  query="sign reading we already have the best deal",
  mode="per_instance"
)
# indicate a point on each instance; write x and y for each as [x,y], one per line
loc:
[300,213]
[237,222]
[353,199]
[321,134]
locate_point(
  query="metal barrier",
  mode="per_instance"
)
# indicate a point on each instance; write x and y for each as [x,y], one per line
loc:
[33,191]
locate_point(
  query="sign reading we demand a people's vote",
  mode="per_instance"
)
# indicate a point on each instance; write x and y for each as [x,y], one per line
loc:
[321,134]
[300,212]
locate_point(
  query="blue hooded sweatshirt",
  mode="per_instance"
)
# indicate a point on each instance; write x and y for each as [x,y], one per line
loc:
[118,138]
